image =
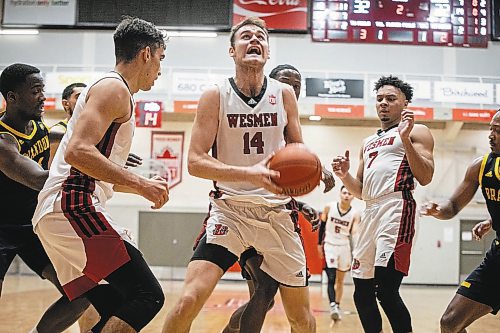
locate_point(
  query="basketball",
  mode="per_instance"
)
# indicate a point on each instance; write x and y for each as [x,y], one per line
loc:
[299,168]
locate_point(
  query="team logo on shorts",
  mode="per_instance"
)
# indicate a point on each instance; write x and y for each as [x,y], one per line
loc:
[332,261]
[220,230]
[272,99]
[355,264]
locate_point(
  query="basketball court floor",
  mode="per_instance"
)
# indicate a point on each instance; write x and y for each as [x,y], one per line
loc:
[25,297]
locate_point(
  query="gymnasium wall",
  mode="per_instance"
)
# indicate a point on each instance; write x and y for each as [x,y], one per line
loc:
[437,242]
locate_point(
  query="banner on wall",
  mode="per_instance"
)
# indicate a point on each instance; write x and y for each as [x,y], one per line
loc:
[474,115]
[61,12]
[50,104]
[167,150]
[421,89]
[422,113]
[185,106]
[278,14]
[55,82]
[463,92]
[148,113]
[334,88]
[339,110]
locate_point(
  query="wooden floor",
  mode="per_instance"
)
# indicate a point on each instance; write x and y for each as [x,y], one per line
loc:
[25,297]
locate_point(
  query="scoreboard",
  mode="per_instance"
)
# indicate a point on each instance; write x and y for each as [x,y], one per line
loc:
[418,22]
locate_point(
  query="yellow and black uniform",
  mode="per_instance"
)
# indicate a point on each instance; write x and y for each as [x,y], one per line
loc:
[482,285]
[18,203]
[63,123]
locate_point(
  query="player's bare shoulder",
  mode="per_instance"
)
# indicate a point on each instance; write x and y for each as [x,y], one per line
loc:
[422,134]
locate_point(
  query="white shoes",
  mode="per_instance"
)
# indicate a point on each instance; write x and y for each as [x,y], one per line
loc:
[335,312]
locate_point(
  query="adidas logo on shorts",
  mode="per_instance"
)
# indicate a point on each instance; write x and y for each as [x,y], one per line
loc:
[299,274]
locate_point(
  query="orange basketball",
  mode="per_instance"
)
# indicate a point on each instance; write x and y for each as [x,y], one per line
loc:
[299,168]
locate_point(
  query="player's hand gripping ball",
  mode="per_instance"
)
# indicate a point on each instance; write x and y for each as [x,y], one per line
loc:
[299,168]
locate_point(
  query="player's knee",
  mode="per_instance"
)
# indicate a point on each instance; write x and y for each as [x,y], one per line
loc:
[186,305]
[155,300]
[266,290]
[388,296]
[304,322]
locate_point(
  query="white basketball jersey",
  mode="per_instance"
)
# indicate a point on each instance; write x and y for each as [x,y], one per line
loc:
[386,168]
[115,145]
[246,135]
[338,226]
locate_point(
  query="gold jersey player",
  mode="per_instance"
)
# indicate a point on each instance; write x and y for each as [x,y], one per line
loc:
[24,157]
[479,294]
[389,163]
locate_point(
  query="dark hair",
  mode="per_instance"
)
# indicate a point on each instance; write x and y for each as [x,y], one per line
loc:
[14,76]
[395,82]
[343,187]
[69,89]
[134,34]
[248,21]
[279,68]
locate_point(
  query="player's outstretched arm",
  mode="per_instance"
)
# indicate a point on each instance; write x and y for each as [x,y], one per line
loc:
[18,167]
[460,198]
[99,113]
[419,146]
[341,165]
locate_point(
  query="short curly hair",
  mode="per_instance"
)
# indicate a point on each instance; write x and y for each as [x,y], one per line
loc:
[275,71]
[394,81]
[14,76]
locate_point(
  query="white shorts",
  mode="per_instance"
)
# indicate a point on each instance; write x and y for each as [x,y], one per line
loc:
[238,226]
[387,228]
[84,247]
[338,256]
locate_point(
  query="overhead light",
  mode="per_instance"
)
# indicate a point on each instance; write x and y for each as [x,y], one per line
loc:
[202,34]
[19,31]
[315,118]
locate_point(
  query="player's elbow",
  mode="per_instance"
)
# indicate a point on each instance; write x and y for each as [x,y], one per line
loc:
[74,155]
[193,165]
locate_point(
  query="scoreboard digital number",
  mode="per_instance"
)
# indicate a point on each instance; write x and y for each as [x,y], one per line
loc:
[418,22]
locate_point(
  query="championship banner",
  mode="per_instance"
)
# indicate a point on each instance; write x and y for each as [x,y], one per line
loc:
[334,88]
[473,115]
[288,15]
[339,111]
[167,150]
[148,113]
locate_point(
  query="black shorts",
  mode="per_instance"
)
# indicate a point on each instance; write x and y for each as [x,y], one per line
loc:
[214,253]
[249,253]
[483,284]
[21,240]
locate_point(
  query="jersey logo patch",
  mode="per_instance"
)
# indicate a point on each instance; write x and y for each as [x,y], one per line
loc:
[489,174]
[252,101]
[220,230]
[465,284]
[272,99]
